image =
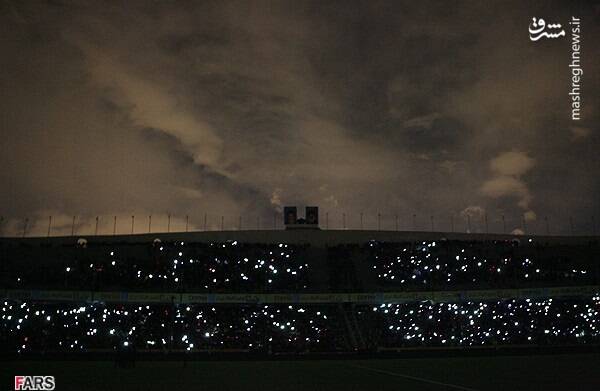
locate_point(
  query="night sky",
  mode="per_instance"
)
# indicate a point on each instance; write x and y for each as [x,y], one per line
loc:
[238,108]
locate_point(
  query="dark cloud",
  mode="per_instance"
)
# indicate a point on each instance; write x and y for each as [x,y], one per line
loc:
[236,108]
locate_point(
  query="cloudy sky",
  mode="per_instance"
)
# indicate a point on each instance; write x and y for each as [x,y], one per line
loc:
[236,108]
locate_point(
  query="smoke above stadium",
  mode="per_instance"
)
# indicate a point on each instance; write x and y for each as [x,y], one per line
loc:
[238,108]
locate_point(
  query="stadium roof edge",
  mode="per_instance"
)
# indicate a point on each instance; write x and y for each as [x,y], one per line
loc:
[313,237]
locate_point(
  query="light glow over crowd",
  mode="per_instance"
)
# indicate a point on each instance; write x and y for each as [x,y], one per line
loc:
[43,327]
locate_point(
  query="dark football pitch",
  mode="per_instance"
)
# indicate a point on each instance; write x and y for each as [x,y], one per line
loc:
[544,372]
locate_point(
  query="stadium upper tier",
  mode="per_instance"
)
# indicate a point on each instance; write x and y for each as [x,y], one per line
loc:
[298,261]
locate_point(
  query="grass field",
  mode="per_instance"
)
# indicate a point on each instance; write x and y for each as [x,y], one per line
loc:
[547,372]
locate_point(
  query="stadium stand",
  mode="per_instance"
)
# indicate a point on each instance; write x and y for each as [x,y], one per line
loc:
[200,296]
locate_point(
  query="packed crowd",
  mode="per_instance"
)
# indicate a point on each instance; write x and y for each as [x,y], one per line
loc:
[246,267]
[32,327]
[173,266]
[471,265]
[37,327]
[514,322]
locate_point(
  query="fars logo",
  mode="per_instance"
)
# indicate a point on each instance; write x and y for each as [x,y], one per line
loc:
[43,383]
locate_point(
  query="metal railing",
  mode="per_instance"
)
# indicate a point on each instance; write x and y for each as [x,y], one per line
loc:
[87,225]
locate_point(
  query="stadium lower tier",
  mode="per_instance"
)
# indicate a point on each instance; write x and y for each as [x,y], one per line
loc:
[41,327]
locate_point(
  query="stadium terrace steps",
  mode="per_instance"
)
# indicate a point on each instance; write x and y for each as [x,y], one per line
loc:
[307,298]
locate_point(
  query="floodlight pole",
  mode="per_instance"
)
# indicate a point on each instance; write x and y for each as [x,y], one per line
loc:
[487,230]
[571,224]
[49,225]
[96,229]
